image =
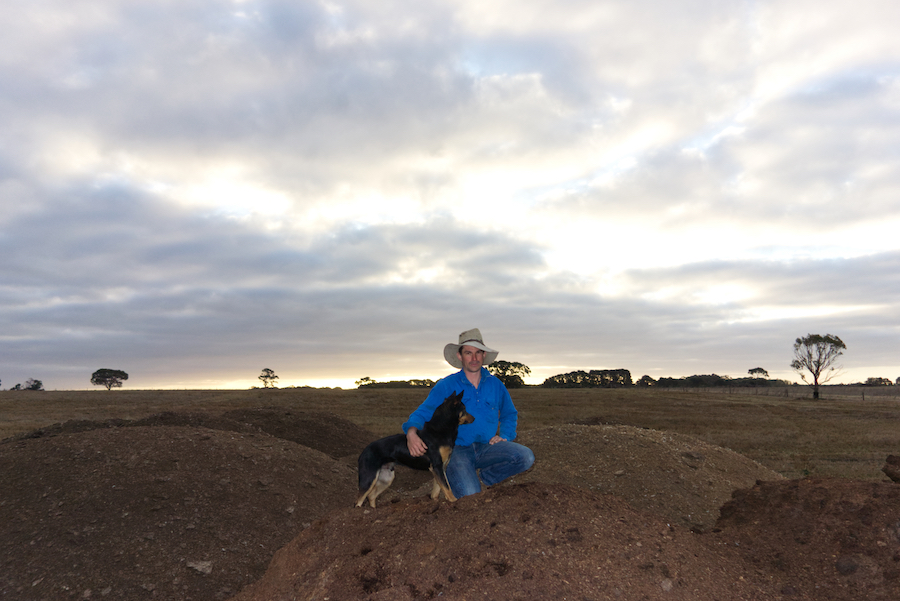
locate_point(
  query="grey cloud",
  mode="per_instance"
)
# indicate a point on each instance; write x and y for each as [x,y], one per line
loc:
[155,286]
[871,279]
[404,101]
[809,161]
[117,274]
[197,71]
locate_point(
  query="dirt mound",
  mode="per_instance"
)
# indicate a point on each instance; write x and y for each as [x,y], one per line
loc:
[671,475]
[193,506]
[322,431]
[167,418]
[325,432]
[790,540]
[841,537]
[528,541]
[155,512]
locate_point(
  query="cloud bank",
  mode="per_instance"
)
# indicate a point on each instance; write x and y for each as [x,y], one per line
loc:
[195,190]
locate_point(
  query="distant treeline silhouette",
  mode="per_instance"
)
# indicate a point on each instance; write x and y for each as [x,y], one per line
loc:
[713,380]
[370,383]
[607,378]
[596,378]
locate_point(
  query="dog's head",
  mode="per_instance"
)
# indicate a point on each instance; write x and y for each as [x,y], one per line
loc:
[455,401]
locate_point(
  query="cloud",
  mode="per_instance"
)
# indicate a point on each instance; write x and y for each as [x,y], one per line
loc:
[194,188]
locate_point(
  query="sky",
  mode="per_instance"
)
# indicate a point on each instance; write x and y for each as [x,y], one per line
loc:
[194,190]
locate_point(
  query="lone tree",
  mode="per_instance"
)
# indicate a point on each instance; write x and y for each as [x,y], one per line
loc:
[511,373]
[816,353]
[111,378]
[268,378]
[758,372]
[32,384]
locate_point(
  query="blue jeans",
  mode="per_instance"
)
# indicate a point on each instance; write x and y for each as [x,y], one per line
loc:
[496,462]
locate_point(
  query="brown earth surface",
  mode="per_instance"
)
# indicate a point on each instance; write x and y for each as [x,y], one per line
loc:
[257,505]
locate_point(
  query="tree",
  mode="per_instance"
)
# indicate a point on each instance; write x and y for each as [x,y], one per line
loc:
[268,378]
[816,353]
[758,372]
[31,384]
[511,373]
[111,378]
[645,382]
[878,382]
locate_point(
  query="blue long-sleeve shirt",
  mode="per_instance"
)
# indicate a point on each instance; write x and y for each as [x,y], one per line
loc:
[490,405]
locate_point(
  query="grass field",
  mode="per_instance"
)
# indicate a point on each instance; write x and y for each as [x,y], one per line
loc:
[847,434]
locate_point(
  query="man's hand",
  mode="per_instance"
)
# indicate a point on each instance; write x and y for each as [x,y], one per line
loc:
[497,439]
[414,443]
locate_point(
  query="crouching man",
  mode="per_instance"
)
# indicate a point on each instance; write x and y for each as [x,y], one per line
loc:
[485,446]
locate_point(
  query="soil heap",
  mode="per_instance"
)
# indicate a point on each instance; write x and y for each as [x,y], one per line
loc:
[258,505]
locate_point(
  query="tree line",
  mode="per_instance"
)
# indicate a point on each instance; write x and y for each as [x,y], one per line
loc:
[30,384]
[596,378]
[110,378]
[815,360]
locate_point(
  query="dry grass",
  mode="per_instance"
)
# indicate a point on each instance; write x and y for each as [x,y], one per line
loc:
[840,436]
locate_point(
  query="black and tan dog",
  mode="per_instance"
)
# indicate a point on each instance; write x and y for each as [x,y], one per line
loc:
[376,463]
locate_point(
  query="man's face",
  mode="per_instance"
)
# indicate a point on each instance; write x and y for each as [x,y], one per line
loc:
[472,358]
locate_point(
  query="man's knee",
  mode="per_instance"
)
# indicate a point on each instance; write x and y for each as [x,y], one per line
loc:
[527,458]
[461,473]
[464,484]
[524,458]
[518,458]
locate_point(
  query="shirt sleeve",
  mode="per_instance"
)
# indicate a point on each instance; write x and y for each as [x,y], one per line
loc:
[509,416]
[421,415]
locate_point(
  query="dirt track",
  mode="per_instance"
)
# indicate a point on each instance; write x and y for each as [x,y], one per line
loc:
[197,506]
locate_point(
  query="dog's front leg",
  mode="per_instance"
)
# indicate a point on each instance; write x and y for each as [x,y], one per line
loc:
[440,484]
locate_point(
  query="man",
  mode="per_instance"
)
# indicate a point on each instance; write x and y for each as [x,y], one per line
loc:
[485,445]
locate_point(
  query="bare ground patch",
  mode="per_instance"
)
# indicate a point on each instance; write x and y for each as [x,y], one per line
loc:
[197,506]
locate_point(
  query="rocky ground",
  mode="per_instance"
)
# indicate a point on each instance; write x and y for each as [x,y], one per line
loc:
[257,505]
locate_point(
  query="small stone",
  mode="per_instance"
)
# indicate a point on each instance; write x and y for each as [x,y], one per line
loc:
[427,548]
[204,567]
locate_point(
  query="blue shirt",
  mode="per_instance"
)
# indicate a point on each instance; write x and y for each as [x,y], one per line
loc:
[490,405]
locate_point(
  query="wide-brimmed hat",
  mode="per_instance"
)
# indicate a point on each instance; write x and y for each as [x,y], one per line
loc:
[469,338]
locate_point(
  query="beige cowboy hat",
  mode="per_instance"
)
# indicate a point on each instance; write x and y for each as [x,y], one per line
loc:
[469,338]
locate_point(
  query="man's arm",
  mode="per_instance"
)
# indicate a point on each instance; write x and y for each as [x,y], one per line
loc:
[418,418]
[509,417]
